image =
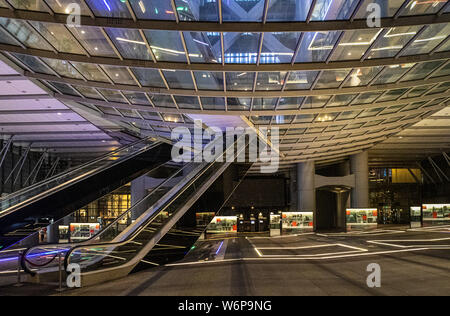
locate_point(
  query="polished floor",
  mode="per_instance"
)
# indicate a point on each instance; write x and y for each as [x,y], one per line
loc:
[412,263]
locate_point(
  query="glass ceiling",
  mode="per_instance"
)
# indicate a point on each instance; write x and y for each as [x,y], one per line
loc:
[350,103]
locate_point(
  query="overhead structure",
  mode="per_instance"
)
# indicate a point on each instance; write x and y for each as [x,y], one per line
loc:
[332,84]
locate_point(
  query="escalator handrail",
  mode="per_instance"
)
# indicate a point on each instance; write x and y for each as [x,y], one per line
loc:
[76,168]
[70,182]
[87,241]
[143,225]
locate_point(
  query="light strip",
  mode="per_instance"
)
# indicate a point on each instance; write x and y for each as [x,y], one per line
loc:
[129,41]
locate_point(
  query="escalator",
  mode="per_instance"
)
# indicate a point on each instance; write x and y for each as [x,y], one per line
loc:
[28,210]
[117,252]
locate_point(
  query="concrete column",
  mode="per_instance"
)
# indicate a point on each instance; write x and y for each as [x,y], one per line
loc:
[360,168]
[306,192]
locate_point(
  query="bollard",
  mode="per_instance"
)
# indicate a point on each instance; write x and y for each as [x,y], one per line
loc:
[60,289]
[19,283]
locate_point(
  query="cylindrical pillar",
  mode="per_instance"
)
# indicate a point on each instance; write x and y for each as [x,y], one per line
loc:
[360,168]
[306,193]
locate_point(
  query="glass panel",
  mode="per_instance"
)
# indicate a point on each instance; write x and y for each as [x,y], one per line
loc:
[332,78]
[422,70]
[328,117]
[368,97]
[370,113]
[333,10]
[112,95]
[290,103]
[194,10]
[61,6]
[270,81]
[6,39]
[282,119]
[261,120]
[392,95]
[316,46]
[148,77]
[129,43]
[393,41]
[279,47]
[93,41]
[109,8]
[213,103]
[88,92]
[392,73]
[301,80]
[288,10]
[33,63]
[119,75]
[418,91]
[136,97]
[24,34]
[445,71]
[241,81]
[90,72]
[243,11]
[423,7]
[163,101]
[392,109]
[166,45]
[153,10]
[59,37]
[260,104]
[354,44]
[388,8]
[209,80]
[31,5]
[316,102]
[179,79]
[442,88]
[240,104]
[429,39]
[202,48]
[341,100]
[349,115]
[362,76]
[241,48]
[63,88]
[63,68]
[187,102]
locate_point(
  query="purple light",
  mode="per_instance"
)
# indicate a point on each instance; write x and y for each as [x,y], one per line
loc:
[220,247]
[107,5]
[33,256]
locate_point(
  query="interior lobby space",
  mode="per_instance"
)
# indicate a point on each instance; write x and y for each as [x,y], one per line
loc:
[224,148]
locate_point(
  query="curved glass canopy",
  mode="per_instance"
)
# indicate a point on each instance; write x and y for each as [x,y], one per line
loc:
[330,88]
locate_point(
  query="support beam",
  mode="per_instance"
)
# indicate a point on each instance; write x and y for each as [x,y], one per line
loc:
[19,163]
[36,169]
[343,64]
[438,170]
[5,150]
[425,173]
[254,27]
[447,158]
[52,168]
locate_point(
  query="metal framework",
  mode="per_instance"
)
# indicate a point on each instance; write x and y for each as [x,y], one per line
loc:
[349,116]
